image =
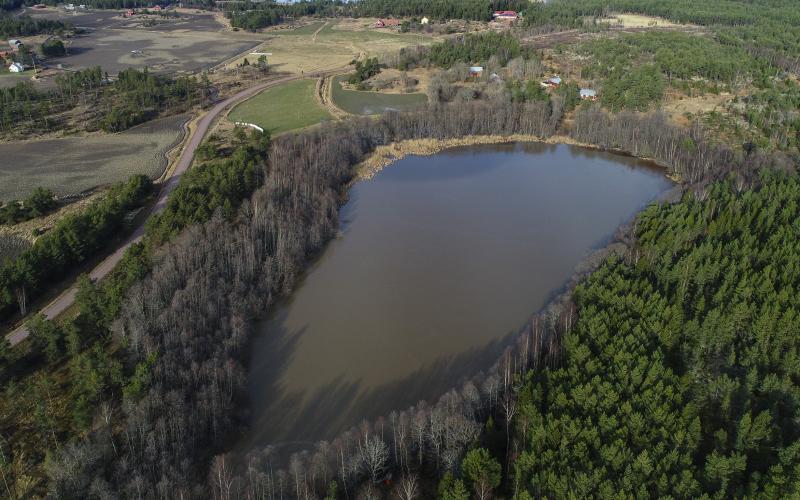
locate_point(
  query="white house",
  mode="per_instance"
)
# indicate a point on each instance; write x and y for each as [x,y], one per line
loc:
[589,94]
[475,71]
[16,68]
[424,20]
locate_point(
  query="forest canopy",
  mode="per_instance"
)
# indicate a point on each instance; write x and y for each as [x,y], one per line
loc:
[680,376]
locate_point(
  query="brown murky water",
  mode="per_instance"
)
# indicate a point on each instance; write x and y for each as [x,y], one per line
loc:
[440,259]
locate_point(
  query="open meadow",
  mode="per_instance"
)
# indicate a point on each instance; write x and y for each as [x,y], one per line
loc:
[190,42]
[76,164]
[330,44]
[287,107]
[359,102]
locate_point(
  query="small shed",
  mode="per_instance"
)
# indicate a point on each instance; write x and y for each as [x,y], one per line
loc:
[588,94]
[475,71]
[14,43]
[424,20]
[129,13]
[16,68]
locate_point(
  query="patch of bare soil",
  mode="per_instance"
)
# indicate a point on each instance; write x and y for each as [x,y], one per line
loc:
[680,107]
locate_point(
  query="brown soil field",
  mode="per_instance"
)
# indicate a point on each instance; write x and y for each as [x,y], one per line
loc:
[192,42]
[76,164]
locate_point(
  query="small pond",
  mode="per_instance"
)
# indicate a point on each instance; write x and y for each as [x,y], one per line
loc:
[372,103]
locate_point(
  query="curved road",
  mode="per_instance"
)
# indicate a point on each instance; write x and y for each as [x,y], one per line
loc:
[67,298]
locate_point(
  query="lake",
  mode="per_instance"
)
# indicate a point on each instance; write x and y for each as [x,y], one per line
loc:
[440,259]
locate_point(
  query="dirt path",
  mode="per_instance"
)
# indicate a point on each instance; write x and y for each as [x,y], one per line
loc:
[324,95]
[314,36]
[67,298]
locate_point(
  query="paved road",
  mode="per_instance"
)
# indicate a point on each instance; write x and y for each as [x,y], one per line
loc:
[67,298]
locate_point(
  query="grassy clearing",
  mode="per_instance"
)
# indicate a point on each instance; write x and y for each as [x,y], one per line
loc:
[338,43]
[280,109]
[370,103]
[76,164]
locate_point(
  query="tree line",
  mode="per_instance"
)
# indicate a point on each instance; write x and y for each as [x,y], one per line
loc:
[11,26]
[477,10]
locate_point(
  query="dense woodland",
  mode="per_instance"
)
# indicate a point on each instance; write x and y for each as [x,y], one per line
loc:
[680,375]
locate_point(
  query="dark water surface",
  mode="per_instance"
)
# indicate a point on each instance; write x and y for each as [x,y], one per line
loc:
[440,259]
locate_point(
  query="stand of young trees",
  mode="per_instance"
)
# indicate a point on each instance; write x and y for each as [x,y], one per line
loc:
[73,240]
[134,97]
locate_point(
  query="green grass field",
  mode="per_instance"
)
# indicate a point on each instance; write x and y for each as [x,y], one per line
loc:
[281,109]
[372,103]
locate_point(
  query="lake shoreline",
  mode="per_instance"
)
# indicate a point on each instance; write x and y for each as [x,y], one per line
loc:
[383,156]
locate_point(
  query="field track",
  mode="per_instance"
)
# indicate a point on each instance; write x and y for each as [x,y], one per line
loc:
[172,177]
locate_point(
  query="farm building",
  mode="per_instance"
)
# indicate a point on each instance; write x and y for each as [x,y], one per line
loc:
[552,83]
[588,94]
[476,71]
[16,68]
[386,23]
[505,15]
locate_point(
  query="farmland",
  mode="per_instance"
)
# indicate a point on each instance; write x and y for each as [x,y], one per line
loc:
[369,103]
[189,43]
[288,107]
[331,44]
[76,164]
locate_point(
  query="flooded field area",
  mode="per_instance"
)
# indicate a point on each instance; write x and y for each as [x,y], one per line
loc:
[440,259]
